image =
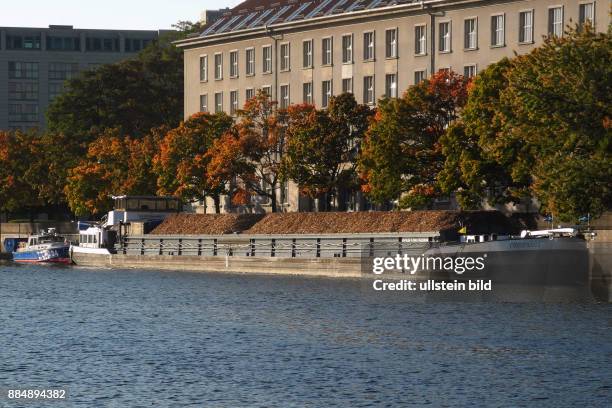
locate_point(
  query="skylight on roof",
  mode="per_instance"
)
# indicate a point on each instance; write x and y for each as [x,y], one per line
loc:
[244,21]
[213,26]
[229,23]
[298,11]
[260,18]
[277,15]
[318,8]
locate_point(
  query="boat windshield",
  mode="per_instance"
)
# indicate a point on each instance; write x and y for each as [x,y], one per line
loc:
[47,240]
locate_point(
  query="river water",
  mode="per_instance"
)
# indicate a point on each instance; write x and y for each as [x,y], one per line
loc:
[117,338]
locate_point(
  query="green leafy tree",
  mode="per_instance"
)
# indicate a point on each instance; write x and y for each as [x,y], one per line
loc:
[482,161]
[559,102]
[132,96]
[401,155]
[181,163]
[322,147]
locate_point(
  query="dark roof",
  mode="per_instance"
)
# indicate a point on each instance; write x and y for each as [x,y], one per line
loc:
[260,13]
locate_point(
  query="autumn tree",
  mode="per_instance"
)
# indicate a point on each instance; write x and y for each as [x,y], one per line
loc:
[322,146]
[114,165]
[15,156]
[181,163]
[247,159]
[401,154]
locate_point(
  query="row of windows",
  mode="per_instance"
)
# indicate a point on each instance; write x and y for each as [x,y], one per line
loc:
[470,42]
[23,112]
[63,43]
[22,42]
[23,70]
[30,70]
[55,43]
[28,91]
[23,91]
[369,93]
[62,70]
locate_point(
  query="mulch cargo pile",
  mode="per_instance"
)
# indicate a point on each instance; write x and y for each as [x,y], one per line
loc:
[206,224]
[477,222]
[356,222]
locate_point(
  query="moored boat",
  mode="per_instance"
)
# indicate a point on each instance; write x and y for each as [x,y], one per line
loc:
[44,247]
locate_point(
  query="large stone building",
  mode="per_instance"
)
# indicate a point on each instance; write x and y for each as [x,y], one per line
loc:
[35,63]
[307,51]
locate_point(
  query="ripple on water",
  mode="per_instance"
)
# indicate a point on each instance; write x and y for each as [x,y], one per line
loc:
[146,338]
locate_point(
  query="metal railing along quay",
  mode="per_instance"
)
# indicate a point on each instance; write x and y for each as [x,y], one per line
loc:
[285,246]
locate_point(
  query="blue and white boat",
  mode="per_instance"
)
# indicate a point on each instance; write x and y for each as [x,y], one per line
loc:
[46,246]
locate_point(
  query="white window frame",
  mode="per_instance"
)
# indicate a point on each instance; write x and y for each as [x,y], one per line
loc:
[551,26]
[246,94]
[284,100]
[468,38]
[474,66]
[585,3]
[307,94]
[204,68]
[391,88]
[234,64]
[219,73]
[267,89]
[422,41]
[495,30]
[347,52]
[521,28]
[285,60]
[446,39]
[266,62]
[327,55]
[392,47]
[217,108]
[234,103]
[344,90]
[369,47]
[418,71]
[326,96]
[369,92]
[249,64]
[307,55]
[204,106]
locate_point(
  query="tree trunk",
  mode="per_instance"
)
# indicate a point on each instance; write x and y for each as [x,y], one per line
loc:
[273,200]
[217,201]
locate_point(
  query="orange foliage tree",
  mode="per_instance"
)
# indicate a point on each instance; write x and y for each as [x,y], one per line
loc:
[181,163]
[247,158]
[114,165]
[15,157]
[401,155]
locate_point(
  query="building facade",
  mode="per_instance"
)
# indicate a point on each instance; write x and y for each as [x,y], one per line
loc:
[307,51]
[35,63]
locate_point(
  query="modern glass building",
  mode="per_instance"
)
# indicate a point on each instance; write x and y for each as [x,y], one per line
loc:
[36,62]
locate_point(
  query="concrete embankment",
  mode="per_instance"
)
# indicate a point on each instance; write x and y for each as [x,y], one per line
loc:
[330,267]
[600,250]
